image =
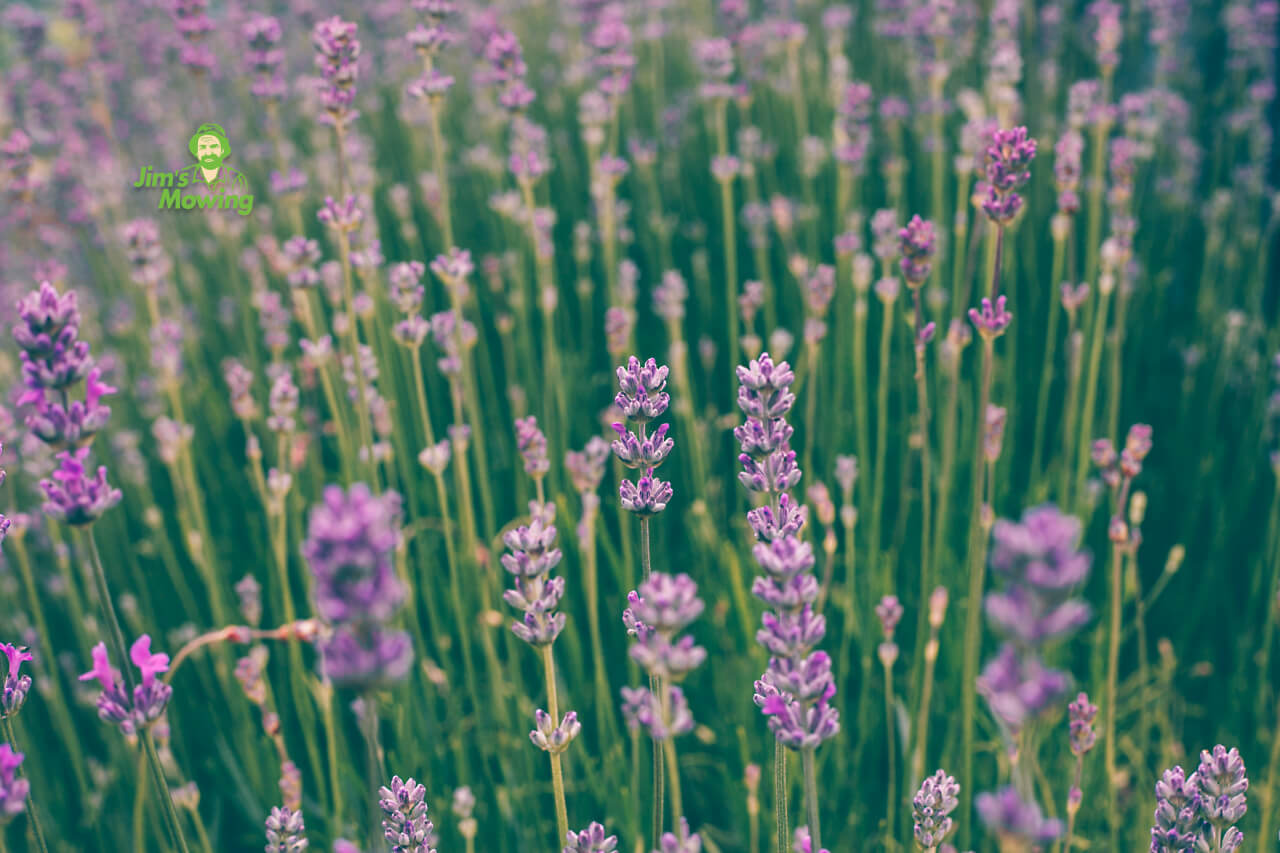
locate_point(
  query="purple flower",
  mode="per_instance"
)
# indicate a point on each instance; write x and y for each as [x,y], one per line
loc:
[932,807]
[149,698]
[1222,784]
[685,842]
[285,831]
[406,826]
[553,738]
[351,537]
[1081,714]
[586,467]
[16,685]
[72,495]
[532,445]
[889,612]
[647,496]
[1014,819]
[916,245]
[1177,816]
[1008,157]
[13,791]
[337,55]
[532,557]
[590,840]
[991,321]
[664,606]
[641,395]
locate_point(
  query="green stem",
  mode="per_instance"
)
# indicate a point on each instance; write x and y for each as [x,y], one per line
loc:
[373,768]
[557,775]
[783,837]
[891,749]
[1088,401]
[1113,668]
[162,789]
[973,605]
[811,797]
[882,437]
[655,688]
[1050,349]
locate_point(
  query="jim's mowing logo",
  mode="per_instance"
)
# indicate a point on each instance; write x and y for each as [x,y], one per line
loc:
[208,184]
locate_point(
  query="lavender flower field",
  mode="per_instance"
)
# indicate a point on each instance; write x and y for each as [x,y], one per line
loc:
[614,426]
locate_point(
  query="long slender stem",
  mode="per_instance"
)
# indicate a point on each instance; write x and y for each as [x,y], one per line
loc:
[656,689]
[807,759]
[783,836]
[1050,350]
[727,214]
[891,750]
[36,829]
[373,768]
[1088,400]
[973,605]
[882,437]
[557,774]
[162,791]
[1113,668]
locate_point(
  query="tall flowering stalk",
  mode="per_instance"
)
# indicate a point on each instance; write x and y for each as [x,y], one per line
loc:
[1118,473]
[1039,565]
[1081,714]
[889,613]
[55,361]
[351,539]
[916,245]
[641,398]
[536,593]
[795,691]
[661,608]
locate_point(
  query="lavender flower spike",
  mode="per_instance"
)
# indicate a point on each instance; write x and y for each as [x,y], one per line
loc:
[1017,822]
[150,696]
[932,808]
[285,831]
[73,495]
[406,826]
[1222,784]
[13,791]
[1007,160]
[351,537]
[590,840]
[642,397]
[16,685]
[1177,817]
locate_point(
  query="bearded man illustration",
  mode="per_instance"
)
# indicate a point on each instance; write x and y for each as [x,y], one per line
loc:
[210,147]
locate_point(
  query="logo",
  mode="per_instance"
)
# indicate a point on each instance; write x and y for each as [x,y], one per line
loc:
[208,184]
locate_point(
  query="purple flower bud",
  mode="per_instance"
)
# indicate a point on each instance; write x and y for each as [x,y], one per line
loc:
[590,840]
[932,807]
[1081,714]
[16,685]
[1178,813]
[916,245]
[406,825]
[647,496]
[553,738]
[889,612]
[72,495]
[1008,157]
[991,321]
[285,831]
[1221,781]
